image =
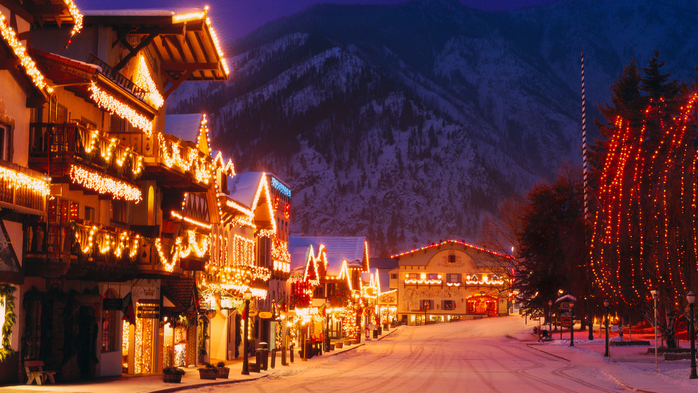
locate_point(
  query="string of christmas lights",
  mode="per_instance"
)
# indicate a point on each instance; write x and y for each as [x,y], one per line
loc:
[10,37]
[145,81]
[114,106]
[20,180]
[104,184]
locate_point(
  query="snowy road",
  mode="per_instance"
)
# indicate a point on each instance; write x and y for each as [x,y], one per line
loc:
[465,356]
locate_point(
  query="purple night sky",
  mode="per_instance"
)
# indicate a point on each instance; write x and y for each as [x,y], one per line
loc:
[247,15]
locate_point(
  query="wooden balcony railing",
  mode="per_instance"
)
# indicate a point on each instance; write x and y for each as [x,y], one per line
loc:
[177,154]
[23,187]
[75,141]
[116,77]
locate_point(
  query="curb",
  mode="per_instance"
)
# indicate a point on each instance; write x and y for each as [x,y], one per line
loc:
[386,335]
[548,353]
[626,386]
[188,387]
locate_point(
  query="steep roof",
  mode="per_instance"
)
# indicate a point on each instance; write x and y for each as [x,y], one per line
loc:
[243,187]
[339,249]
[299,258]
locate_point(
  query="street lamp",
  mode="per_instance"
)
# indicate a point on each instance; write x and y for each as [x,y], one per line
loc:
[245,360]
[654,297]
[571,324]
[606,305]
[550,317]
[692,299]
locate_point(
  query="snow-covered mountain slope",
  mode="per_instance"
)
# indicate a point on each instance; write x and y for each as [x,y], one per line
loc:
[409,123]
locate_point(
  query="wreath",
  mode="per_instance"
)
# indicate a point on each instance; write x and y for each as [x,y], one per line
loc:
[7,296]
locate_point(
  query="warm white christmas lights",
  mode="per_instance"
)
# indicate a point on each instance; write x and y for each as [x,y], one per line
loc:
[10,37]
[104,184]
[18,179]
[114,106]
[77,16]
[144,80]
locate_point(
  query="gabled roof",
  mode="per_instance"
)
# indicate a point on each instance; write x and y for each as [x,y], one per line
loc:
[185,126]
[243,188]
[341,251]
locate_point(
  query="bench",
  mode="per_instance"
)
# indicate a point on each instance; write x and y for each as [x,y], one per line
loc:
[35,372]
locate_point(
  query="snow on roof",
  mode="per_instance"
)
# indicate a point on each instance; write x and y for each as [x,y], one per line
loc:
[243,187]
[185,127]
[566,298]
[384,279]
[339,249]
[299,258]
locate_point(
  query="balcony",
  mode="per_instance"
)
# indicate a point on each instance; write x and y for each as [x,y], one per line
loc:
[116,77]
[54,146]
[22,189]
[76,250]
[180,165]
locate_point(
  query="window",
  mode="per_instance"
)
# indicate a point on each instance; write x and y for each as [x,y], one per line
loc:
[319,292]
[433,276]
[119,211]
[454,277]
[89,214]
[393,276]
[427,305]
[4,143]
[330,289]
[448,305]
[109,326]
[452,258]
[59,113]
[412,276]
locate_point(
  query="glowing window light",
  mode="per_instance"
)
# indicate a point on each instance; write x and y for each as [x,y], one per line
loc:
[144,80]
[18,179]
[21,52]
[77,16]
[104,185]
[113,105]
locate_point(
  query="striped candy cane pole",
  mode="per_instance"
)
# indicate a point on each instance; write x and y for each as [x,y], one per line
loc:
[584,146]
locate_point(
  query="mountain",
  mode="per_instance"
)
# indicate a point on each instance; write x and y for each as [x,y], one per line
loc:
[409,123]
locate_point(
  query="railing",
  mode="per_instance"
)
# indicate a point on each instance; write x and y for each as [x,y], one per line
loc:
[175,153]
[116,77]
[87,242]
[74,140]
[23,187]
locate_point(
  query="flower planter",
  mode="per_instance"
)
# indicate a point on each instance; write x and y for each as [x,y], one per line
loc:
[223,372]
[172,378]
[208,373]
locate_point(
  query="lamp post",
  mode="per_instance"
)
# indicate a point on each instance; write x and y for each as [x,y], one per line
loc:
[571,324]
[245,360]
[550,317]
[654,297]
[606,305]
[692,299]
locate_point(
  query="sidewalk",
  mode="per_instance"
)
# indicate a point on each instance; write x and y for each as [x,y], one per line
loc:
[628,366]
[153,383]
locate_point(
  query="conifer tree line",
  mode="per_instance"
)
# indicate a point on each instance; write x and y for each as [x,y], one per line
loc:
[641,233]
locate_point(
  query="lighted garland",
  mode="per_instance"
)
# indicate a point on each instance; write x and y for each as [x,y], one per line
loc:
[451,241]
[169,264]
[113,105]
[172,156]
[77,16]
[7,296]
[109,155]
[104,185]
[21,52]
[144,80]
[86,237]
[19,180]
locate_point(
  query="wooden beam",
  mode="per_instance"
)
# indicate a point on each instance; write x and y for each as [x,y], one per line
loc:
[203,48]
[145,42]
[53,9]
[178,82]
[9,64]
[191,48]
[121,36]
[165,45]
[175,43]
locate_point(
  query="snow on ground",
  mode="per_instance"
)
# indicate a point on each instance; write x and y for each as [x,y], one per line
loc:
[488,355]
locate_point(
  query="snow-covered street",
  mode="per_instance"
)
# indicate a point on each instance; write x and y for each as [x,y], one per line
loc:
[473,356]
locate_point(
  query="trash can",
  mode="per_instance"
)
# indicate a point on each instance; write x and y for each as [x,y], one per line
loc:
[264,356]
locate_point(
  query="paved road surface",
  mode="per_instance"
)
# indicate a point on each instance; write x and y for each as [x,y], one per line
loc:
[469,356]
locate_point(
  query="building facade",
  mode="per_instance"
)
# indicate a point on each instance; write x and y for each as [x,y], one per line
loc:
[448,281]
